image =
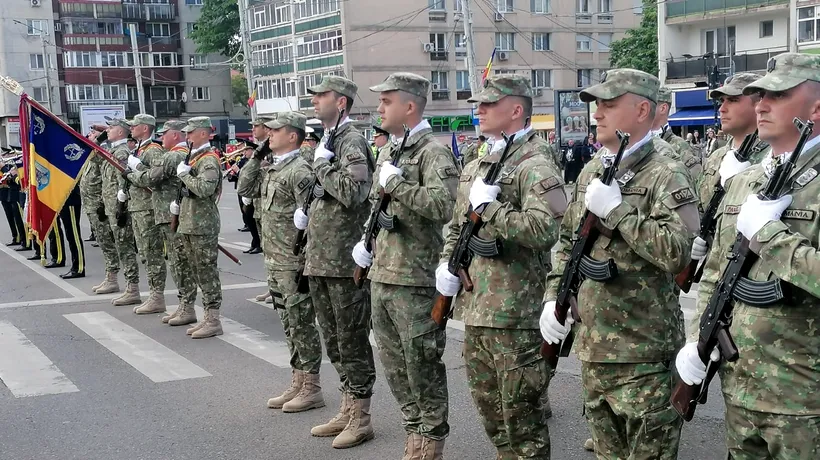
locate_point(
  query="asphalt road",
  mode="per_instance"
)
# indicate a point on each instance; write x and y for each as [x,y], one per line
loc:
[82,379]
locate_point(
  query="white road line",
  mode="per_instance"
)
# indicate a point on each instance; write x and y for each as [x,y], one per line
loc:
[151,358]
[234,246]
[244,245]
[47,275]
[25,370]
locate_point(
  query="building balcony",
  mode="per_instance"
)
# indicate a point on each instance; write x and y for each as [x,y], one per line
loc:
[159,109]
[463,94]
[164,109]
[441,95]
[438,55]
[148,12]
[93,40]
[699,67]
[695,10]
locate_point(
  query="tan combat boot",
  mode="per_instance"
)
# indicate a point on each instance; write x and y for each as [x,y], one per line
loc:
[296,381]
[108,286]
[173,315]
[358,430]
[154,304]
[184,315]
[432,449]
[212,327]
[412,447]
[262,297]
[589,445]
[131,296]
[338,423]
[309,397]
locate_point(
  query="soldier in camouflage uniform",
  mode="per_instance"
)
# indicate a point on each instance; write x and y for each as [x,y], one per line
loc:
[306,150]
[282,187]
[772,408]
[681,150]
[423,188]
[161,176]
[141,210]
[334,225]
[198,233]
[381,140]
[524,211]
[123,236]
[632,326]
[260,133]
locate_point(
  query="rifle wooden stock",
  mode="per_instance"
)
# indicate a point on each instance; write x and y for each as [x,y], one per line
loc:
[684,279]
[359,275]
[466,281]
[441,310]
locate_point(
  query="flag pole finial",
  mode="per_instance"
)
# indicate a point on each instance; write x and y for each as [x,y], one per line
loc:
[11,85]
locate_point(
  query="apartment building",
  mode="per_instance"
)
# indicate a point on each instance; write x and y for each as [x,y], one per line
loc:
[28,55]
[806,23]
[557,44]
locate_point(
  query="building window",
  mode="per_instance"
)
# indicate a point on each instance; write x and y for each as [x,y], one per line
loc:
[461,45]
[36,62]
[503,72]
[540,41]
[112,59]
[541,78]
[605,6]
[200,93]
[439,42]
[637,6]
[438,82]
[462,80]
[199,61]
[436,5]
[808,24]
[37,27]
[504,6]
[158,29]
[320,43]
[540,6]
[604,40]
[582,43]
[310,8]
[194,2]
[766,29]
[584,77]
[457,6]
[583,6]
[505,41]
[189,29]
[272,53]
[39,94]
[163,93]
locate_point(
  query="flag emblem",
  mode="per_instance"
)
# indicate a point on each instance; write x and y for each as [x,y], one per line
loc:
[43,176]
[73,152]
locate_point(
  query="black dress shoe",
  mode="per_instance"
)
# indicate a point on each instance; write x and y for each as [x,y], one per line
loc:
[244,229]
[54,264]
[255,250]
[96,245]
[92,237]
[34,257]
[13,243]
[72,274]
[24,248]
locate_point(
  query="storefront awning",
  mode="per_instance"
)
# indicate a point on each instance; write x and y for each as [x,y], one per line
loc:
[693,116]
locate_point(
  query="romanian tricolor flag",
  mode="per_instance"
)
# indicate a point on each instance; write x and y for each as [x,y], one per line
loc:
[252,99]
[57,154]
[486,72]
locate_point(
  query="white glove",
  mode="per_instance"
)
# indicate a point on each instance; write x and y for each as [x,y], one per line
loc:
[755,213]
[699,248]
[361,256]
[602,199]
[553,331]
[481,193]
[121,196]
[246,201]
[388,171]
[730,167]
[322,152]
[446,283]
[183,169]
[690,368]
[133,162]
[300,219]
[174,208]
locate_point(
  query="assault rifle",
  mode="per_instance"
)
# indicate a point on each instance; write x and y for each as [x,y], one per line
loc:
[379,218]
[461,257]
[733,284]
[580,266]
[692,272]
[102,137]
[316,190]
[180,192]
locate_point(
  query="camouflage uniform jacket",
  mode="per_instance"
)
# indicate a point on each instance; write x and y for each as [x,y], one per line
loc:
[683,152]
[336,220]
[778,368]
[469,153]
[306,152]
[199,213]
[162,179]
[140,199]
[710,177]
[91,184]
[423,199]
[111,179]
[525,216]
[634,318]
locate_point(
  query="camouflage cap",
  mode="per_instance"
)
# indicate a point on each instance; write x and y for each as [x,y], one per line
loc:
[336,83]
[294,119]
[617,82]
[119,122]
[500,86]
[143,119]
[172,125]
[664,95]
[404,81]
[733,86]
[785,71]
[197,123]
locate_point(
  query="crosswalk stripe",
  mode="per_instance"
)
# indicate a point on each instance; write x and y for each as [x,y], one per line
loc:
[25,370]
[151,358]
[244,245]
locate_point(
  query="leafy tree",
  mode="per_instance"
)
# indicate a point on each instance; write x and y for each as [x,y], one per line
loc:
[639,48]
[239,90]
[217,29]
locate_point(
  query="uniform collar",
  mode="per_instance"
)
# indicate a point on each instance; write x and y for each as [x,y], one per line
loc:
[278,159]
[205,146]
[118,143]
[182,144]
[634,147]
[423,125]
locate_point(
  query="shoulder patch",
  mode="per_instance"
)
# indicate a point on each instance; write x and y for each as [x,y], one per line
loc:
[690,162]
[582,188]
[683,196]
[633,190]
[799,214]
[546,185]
[732,209]
[465,178]
[303,183]
[449,171]
[353,157]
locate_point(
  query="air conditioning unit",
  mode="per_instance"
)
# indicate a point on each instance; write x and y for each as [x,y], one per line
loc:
[435,86]
[503,55]
[429,47]
[36,2]
[499,17]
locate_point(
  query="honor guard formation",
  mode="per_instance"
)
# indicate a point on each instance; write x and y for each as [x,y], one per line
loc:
[398,237]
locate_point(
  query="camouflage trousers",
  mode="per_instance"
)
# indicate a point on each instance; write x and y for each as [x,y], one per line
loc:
[197,260]
[343,312]
[628,411]
[752,435]
[126,248]
[507,377]
[298,320]
[151,248]
[410,347]
[183,279]
[105,238]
